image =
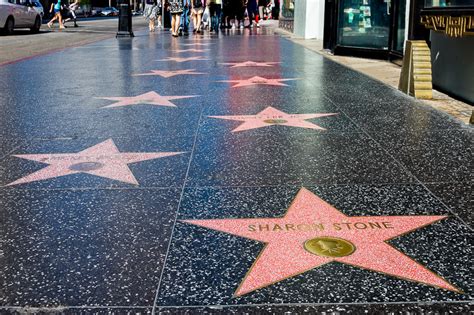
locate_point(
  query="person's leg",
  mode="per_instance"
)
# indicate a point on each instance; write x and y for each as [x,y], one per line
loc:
[74,18]
[198,23]
[212,14]
[186,20]
[219,16]
[178,17]
[194,20]
[173,23]
[55,17]
[60,18]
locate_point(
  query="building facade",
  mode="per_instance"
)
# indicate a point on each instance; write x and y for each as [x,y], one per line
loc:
[379,29]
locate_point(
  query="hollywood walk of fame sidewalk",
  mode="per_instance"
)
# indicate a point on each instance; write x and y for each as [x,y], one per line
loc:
[238,173]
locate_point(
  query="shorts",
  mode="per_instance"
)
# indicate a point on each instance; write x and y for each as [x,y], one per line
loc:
[197,11]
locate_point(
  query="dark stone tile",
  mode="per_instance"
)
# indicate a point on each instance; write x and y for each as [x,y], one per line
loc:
[7,146]
[161,172]
[432,156]
[73,248]
[375,309]
[205,267]
[244,159]
[457,196]
[78,310]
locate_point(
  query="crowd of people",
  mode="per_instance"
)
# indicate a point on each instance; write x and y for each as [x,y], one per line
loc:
[207,14]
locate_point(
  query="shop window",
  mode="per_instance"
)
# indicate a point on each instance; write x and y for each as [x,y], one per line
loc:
[448,3]
[288,9]
[364,23]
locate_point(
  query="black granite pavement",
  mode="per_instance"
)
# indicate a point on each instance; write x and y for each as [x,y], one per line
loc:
[78,238]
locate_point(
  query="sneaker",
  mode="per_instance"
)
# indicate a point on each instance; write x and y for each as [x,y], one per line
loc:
[258,24]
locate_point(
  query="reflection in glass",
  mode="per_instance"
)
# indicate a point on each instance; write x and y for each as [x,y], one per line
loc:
[288,9]
[400,31]
[364,23]
[448,3]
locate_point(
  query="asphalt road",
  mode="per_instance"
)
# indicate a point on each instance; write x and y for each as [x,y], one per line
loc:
[22,44]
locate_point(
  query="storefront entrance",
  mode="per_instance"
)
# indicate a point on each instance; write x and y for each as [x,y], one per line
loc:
[369,28]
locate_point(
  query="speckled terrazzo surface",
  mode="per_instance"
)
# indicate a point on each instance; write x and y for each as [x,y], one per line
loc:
[183,176]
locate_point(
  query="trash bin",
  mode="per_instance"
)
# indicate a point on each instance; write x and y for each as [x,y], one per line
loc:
[125,19]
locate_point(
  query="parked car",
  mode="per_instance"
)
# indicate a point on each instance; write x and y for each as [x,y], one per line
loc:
[109,11]
[38,7]
[19,14]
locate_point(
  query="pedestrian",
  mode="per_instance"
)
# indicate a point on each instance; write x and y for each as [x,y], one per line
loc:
[56,7]
[151,13]
[72,13]
[197,9]
[184,27]
[252,10]
[227,13]
[215,10]
[241,6]
[262,6]
[176,9]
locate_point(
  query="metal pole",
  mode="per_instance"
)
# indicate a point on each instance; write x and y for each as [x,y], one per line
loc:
[162,14]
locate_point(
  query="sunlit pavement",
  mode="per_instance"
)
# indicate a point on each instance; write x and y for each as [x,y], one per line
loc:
[238,173]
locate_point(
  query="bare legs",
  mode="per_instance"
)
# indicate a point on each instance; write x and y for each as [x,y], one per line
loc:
[58,17]
[197,18]
[151,25]
[175,19]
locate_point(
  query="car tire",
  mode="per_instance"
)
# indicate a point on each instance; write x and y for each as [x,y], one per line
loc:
[36,27]
[9,26]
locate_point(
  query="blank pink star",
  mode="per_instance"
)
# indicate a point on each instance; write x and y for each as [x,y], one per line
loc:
[272,116]
[103,160]
[284,255]
[151,98]
[190,50]
[169,74]
[250,64]
[178,59]
[258,81]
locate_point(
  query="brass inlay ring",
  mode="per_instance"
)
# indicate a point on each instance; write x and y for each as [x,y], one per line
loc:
[327,246]
[275,121]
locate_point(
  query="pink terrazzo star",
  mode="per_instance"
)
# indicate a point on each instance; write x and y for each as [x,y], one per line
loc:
[309,217]
[151,98]
[190,50]
[178,59]
[250,64]
[103,160]
[258,81]
[272,116]
[169,74]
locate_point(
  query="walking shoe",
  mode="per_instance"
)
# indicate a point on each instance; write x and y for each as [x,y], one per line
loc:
[49,25]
